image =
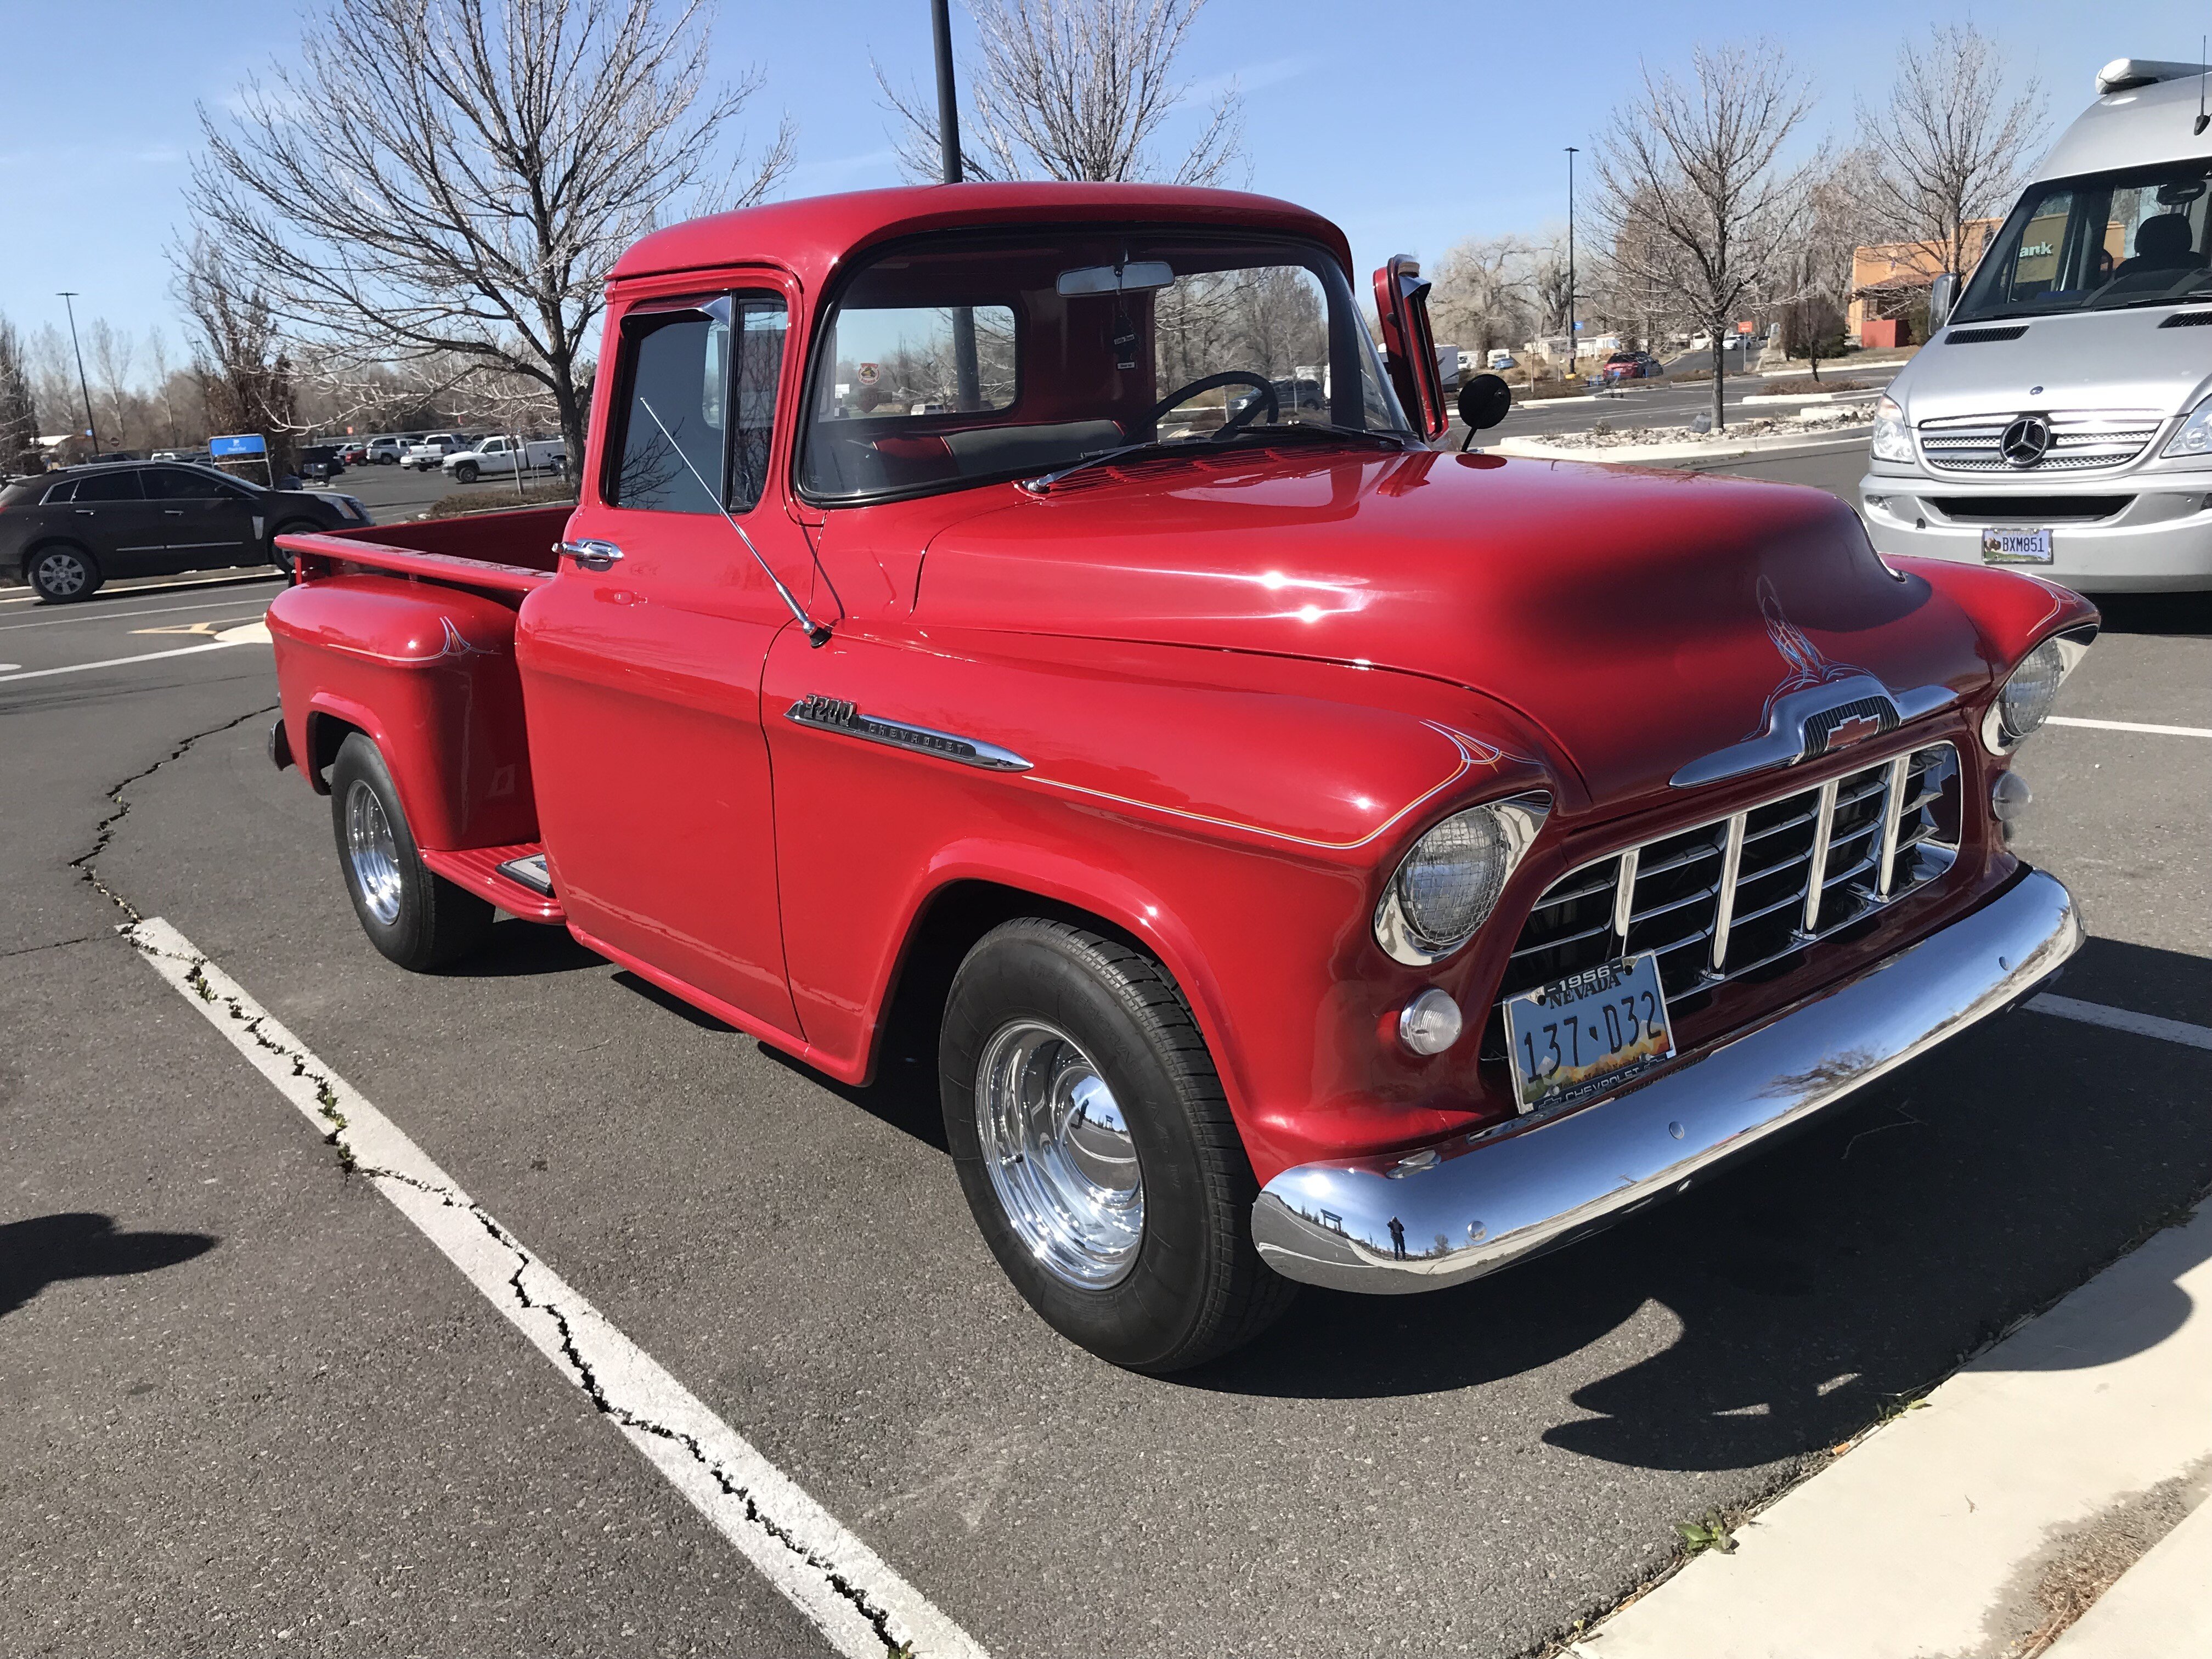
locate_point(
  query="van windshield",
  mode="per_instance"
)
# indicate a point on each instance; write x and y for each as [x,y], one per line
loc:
[967,357]
[2099,242]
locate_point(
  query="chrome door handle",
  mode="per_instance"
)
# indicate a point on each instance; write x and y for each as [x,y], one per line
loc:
[84,512]
[172,512]
[590,554]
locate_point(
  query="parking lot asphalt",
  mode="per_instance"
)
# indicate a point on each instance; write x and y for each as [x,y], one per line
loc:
[252,1410]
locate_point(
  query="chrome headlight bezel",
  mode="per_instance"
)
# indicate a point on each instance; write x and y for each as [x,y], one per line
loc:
[1509,826]
[1892,438]
[2004,727]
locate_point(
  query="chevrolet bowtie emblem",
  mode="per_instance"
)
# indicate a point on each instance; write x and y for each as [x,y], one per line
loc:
[1856,729]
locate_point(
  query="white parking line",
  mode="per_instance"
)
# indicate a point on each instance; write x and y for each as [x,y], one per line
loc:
[118,662]
[118,616]
[2136,725]
[863,1607]
[2123,1019]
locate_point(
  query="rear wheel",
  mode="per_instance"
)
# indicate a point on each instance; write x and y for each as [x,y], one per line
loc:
[412,914]
[62,573]
[1097,1151]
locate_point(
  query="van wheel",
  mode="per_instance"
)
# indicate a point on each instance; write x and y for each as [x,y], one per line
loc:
[62,573]
[465,472]
[413,914]
[1094,1144]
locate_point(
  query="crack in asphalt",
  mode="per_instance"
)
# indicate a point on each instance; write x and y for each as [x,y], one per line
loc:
[103,831]
[580,1368]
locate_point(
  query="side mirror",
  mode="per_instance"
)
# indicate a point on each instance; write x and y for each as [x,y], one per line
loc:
[1942,294]
[1483,402]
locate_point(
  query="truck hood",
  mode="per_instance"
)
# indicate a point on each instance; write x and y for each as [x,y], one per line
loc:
[1642,621]
[2107,359]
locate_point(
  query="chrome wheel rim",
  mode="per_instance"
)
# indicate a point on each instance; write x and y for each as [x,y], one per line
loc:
[61,574]
[1060,1158]
[374,853]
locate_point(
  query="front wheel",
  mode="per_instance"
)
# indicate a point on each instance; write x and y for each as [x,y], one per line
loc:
[414,915]
[278,556]
[465,472]
[1096,1148]
[63,573]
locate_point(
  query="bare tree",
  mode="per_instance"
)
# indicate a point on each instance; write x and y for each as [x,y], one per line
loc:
[112,352]
[1481,297]
[1701,209]
[457,178]
[19,413]
[1951,148]
[246,379]
[1073,89]
[1842,214]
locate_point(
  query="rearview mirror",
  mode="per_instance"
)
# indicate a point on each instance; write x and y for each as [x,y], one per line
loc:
[1139,275]
[1483,402]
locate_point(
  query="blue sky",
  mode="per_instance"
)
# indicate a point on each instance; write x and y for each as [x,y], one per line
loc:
[1457,132]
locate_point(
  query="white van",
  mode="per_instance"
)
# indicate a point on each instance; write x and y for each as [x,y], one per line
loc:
[2061,419]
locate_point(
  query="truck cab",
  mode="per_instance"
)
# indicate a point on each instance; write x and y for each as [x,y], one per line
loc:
[1301,855]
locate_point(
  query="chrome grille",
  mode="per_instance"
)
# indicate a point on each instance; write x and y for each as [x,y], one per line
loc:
[2079,439]
[1730,898]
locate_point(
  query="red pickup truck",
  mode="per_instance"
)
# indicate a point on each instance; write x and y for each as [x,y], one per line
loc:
[1313,855]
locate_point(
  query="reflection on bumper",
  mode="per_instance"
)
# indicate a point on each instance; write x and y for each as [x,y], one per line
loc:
[1421,1220]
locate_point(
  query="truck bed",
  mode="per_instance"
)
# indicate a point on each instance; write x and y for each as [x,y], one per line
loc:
[405,633]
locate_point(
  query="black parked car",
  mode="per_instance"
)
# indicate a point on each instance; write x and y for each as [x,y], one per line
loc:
[322,461]
[68,531]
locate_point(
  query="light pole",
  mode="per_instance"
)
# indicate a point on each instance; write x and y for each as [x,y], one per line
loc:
[91,431]
[965,370]
[1572,153]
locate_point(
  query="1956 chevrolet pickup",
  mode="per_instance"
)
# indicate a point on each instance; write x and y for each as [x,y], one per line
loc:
[1035,617]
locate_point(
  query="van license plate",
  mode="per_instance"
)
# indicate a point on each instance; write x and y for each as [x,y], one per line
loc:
[2015,547]
[1576,1038]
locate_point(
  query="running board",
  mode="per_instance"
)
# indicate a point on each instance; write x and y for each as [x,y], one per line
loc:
[514,877]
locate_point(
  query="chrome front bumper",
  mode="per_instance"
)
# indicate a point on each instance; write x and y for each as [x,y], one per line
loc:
[1474,1204]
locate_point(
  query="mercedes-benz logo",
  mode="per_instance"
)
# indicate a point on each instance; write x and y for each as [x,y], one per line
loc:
[2025,441]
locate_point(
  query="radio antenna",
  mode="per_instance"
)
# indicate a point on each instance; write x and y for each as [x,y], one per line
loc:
[2202,119]
[817,634]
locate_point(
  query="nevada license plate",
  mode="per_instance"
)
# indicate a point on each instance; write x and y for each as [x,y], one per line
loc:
[1589,1032]
[2015,547]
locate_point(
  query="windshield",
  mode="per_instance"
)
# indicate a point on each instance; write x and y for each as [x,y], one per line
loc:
[2098,243]
[967,357]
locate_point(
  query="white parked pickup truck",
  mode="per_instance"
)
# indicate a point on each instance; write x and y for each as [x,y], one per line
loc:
[426,452]
[497,456]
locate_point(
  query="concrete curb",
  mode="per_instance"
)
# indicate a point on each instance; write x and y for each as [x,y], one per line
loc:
[1632,455]
[1928,1536]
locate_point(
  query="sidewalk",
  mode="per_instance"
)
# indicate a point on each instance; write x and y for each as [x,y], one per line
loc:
[1982,1520]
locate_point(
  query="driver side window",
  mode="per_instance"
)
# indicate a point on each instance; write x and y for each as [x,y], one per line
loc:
[677,451]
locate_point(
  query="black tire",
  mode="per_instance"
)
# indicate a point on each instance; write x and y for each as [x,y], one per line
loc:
[420,921]
[278,556]
[62,573]
[1197,1288]
[465,472]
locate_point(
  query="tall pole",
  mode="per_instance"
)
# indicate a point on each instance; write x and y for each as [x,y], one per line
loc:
[1572,153]
[91,431]
[964,370]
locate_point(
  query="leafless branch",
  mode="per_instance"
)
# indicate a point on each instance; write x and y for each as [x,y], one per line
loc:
[1072,89]
[455,180]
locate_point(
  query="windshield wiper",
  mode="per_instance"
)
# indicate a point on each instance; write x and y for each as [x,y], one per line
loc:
[1042,484]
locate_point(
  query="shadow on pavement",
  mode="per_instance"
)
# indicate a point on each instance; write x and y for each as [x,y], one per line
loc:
[2155,613]
[48,1248]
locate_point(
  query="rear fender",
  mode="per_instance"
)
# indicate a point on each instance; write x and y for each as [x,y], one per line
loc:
[428,674]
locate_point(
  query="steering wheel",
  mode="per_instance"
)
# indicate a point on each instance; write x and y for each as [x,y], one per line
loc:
[1244,417]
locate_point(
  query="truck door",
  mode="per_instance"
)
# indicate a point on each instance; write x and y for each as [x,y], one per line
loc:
[641,660]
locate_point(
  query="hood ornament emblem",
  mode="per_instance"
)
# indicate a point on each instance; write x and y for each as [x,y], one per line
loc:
[1818,706]
[2025,441]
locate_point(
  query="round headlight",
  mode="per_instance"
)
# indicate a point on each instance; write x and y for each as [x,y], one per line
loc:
[1448,885]
[2026,702]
